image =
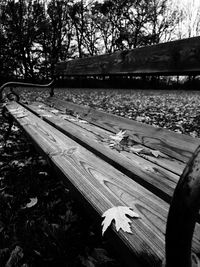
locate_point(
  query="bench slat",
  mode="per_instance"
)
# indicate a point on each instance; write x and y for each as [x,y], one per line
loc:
[102,187]
[164,161]
[168,142]
[172,58]
[153,177]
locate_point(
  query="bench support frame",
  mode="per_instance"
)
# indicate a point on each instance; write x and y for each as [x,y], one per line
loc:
[182,216]
[21,84]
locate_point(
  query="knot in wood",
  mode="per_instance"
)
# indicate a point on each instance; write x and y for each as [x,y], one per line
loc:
[71,151]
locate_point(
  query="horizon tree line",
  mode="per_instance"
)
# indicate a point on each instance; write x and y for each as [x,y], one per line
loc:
[36,34]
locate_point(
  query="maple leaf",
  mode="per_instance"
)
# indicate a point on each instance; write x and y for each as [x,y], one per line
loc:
[118,214]
[118,137]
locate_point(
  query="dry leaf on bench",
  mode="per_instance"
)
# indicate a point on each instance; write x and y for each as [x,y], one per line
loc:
[147,151]
[157,154]
[41,106]
[46,115]
[55,111]
[118,137]
[118,214]
[21,115]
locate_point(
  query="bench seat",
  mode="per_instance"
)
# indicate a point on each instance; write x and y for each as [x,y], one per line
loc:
[145,170]
[96,181]
[162,186]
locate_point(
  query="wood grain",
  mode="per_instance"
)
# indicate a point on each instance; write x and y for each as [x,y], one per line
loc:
[164,161]
[102,187]
[173,58]
[180,147]
[155,178]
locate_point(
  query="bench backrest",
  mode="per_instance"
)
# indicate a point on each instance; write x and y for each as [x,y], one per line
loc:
[180,57]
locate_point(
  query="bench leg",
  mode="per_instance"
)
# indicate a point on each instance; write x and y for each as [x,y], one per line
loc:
[12,95]
[182,216]
[52,91]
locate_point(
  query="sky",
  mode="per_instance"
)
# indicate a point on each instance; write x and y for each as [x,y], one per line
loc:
[186,3]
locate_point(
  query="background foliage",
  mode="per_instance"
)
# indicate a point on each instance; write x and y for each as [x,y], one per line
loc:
[36,34]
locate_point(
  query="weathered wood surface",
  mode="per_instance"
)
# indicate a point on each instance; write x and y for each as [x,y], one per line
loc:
[168,142]
[159,180]
[100,134]
[172,58]
[102,186]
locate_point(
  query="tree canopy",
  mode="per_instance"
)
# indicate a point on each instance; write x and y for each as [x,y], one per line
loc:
[36,34]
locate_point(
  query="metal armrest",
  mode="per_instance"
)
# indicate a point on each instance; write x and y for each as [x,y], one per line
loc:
[182,216]
[15,84]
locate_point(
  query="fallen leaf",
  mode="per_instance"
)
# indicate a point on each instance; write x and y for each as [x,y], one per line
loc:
[137,150]
[77,119]
[64,117]
[22,115]
[40,110]
[33,202]
[72,119]
[55,111]
[118,137]
[15,128]
[118,214]
[157,154]
[46,115]
[147,151]
[83,121]
[140,118]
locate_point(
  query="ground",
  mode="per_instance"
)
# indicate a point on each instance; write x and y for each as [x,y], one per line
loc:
[40,222]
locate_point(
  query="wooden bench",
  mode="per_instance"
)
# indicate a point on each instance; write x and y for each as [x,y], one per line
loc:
[154,171]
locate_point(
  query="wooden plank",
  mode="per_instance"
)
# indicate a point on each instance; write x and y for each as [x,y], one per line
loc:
[100,134]
[103,187]
[172,58]
[168,142]
[155,178]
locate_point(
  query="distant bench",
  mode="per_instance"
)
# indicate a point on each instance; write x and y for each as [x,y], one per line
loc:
[140,171]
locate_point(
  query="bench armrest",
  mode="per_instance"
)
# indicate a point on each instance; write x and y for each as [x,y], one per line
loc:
[21,84]
[182,216]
